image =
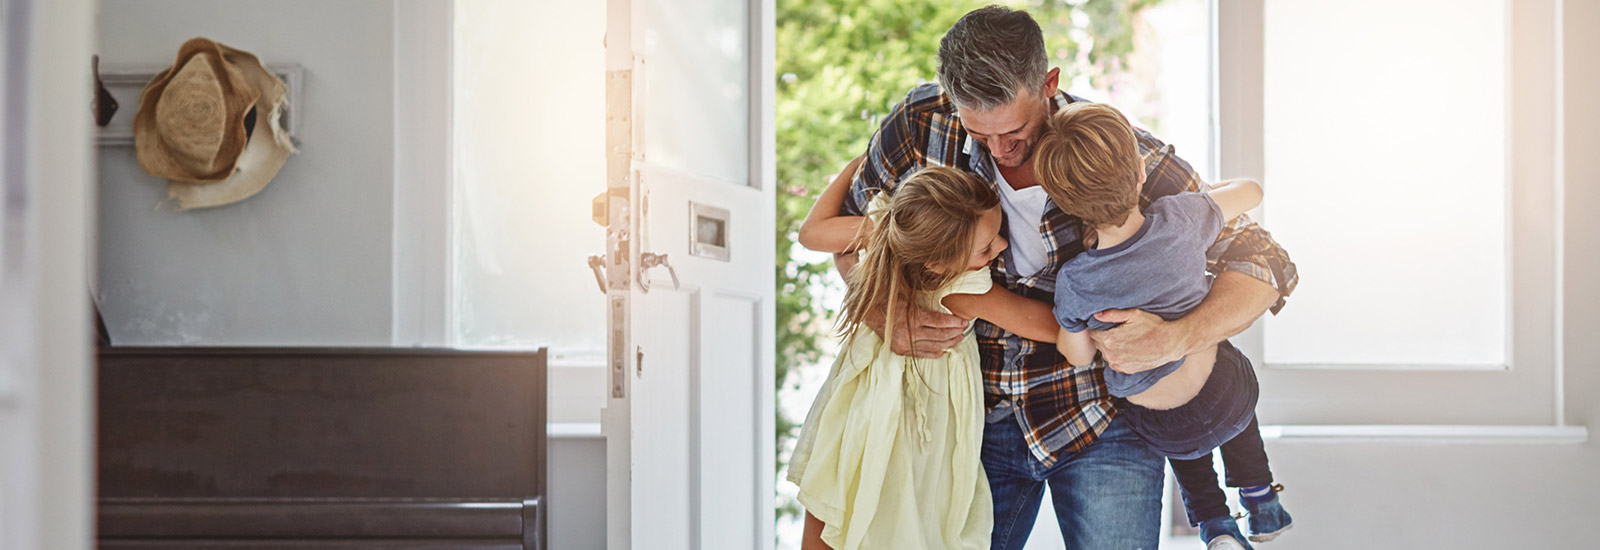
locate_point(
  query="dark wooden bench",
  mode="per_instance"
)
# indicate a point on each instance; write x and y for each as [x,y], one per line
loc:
[275,448]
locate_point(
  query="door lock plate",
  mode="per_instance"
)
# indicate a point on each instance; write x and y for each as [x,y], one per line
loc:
[619,369]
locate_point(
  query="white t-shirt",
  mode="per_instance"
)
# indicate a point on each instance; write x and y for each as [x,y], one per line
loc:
[1024,211]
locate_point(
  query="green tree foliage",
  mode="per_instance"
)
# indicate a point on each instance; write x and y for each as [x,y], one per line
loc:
[842,64]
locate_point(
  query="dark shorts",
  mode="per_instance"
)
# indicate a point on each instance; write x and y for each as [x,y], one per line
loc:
[1221,410]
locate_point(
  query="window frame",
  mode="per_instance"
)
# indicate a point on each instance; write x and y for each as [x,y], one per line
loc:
[1524,392]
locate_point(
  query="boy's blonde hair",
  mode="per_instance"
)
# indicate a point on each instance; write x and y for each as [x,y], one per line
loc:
[1088,162]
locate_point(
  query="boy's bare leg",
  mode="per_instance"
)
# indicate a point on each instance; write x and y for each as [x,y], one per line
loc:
[812,539]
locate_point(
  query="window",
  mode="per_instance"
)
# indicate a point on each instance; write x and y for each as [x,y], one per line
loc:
[691,104]
[529,151]
[1408,170]
[1411,172]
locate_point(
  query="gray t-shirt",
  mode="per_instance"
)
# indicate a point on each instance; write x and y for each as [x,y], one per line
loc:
[1161,269]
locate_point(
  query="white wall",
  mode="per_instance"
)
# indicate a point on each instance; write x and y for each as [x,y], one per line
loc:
[311,260]
[577,493]
[308,260]
[530,125]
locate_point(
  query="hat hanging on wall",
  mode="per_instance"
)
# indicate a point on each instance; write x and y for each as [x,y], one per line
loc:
[210,125]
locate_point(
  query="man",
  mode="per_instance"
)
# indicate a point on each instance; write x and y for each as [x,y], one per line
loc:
[1051,426]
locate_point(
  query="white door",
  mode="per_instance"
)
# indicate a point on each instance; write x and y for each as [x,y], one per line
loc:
[689,418]
[46,384]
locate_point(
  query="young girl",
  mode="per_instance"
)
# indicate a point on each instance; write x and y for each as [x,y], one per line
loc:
[1155,260]
[888,456]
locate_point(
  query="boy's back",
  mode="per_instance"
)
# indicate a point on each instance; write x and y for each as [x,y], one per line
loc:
[1161,269]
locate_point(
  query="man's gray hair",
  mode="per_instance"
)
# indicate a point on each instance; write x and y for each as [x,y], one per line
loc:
[990,56]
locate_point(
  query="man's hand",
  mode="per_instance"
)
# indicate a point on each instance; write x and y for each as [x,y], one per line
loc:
[931,332]
[1143,341]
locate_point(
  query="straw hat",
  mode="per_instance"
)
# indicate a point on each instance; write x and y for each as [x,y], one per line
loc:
[209,124]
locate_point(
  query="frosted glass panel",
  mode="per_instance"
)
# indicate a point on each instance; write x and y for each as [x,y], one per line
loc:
[697,73]
[1386,179]
[529,145]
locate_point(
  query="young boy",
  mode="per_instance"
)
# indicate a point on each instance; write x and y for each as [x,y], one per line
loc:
[1089,164]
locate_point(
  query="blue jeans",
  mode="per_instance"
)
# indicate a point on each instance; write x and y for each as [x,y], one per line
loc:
[1107,496]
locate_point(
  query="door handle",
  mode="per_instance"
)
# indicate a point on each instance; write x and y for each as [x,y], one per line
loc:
[648,260]
[597,263]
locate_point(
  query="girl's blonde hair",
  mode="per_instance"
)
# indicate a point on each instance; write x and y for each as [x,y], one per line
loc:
[1088,162]
[919,243]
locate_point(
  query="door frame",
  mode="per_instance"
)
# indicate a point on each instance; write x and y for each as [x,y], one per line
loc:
[46,389]
[764,150]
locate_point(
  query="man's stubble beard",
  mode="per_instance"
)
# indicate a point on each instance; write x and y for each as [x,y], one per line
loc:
[1027,150]
[1027,153]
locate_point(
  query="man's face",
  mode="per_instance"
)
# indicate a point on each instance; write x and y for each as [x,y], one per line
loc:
[1010,131]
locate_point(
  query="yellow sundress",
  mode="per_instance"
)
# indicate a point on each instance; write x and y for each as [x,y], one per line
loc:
[888,455]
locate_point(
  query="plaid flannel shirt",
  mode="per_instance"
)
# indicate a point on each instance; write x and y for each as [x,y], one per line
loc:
[1060,408]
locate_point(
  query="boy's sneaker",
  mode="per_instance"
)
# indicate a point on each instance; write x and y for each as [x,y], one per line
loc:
[1222,533]
[1267,516]
[1225,542]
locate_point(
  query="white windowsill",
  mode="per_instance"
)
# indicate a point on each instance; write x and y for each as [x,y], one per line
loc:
[1431,434]
[574,430]
[1387,367]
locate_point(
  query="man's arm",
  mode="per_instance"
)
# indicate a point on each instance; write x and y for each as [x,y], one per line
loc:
[1253,272]
[1145,341]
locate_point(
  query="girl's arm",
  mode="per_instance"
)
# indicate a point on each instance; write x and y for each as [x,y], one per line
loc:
[824,230]
[1235,197]
[1076,347]
[1027,318]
